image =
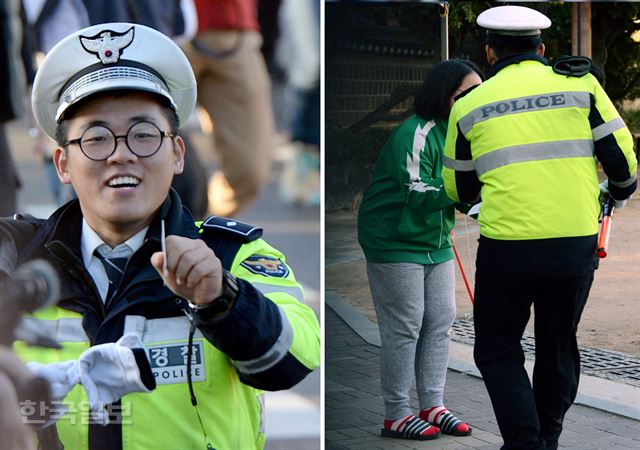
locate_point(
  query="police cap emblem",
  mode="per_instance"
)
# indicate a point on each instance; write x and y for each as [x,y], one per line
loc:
[108,44]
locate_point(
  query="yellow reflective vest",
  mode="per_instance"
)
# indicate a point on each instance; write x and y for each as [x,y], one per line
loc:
[231,410]
[526,142]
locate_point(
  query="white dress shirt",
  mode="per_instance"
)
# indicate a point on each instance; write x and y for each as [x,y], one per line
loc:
[90,241]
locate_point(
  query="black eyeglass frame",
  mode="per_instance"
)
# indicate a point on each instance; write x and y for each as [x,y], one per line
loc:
[116,137]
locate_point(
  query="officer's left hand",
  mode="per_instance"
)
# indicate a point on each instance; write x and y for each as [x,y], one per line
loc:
[193,270]
[604,195]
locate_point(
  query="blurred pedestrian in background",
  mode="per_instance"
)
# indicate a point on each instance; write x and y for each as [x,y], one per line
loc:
[16,71]
[234,88]
[50,21]
[404,226]
[298,55]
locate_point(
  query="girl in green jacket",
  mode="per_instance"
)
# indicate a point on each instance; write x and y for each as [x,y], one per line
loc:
[404,226]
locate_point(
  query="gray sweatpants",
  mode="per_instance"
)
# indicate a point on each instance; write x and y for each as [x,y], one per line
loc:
[415,307]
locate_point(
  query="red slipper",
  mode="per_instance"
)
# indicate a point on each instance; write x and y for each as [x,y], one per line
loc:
[448,423]
[411,427]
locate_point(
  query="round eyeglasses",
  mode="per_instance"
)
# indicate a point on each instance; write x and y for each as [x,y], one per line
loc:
[98,142]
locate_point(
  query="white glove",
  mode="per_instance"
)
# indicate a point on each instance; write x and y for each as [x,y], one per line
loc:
[130,340]
[604,193]
[62,376]
[108,372]
[619,203]
[604,186]
[475,211]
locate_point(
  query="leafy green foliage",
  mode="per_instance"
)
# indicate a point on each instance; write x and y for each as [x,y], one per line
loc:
[632,118]
[613,48]
[613,25]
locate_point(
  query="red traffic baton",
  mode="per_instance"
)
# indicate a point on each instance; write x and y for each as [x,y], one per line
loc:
[464,276]
[605,228]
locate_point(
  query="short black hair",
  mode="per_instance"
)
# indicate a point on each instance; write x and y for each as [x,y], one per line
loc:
[169,112]
[432,99]
[507,45]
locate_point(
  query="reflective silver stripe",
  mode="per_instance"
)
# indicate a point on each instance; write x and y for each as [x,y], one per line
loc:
[626,183]
[60,330]
[459,165]
[159,330]
[263,414]
[534,152]
[272,356]
[607,128]
[524,104]
[294,291]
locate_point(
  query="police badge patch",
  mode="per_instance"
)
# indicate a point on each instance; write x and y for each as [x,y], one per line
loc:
[265,265]
[169,362]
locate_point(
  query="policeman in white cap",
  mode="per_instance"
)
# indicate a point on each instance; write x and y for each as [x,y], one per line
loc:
[218,311]
[524,143]
[512,30]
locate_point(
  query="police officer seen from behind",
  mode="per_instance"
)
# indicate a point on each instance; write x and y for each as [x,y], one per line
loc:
[113,96]
[525,141]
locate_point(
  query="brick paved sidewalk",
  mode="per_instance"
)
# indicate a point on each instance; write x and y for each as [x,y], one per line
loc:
[354,411]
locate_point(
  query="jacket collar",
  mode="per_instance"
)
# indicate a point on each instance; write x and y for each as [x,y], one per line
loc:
[515,59]
[63,229]
[178,220]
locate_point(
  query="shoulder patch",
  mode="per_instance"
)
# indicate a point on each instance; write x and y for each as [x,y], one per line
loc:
[576,66]
[231,227]
[268,266]
[28,218]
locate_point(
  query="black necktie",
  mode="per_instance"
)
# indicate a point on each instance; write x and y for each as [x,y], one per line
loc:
[114,268]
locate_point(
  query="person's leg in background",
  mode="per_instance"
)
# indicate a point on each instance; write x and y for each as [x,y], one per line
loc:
[558,307]
[500,313]
[235,90]
[397,291]
[9,181]
[300,181]
[298,54]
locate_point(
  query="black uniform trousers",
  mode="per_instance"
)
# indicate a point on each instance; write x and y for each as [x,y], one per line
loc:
[529,417]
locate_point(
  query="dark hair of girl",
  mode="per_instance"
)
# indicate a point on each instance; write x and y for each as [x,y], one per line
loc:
[432,99]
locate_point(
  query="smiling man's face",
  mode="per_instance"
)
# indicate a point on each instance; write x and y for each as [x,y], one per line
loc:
[119,195]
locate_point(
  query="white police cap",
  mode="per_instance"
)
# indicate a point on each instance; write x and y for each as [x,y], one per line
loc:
[513,21]
[111,56]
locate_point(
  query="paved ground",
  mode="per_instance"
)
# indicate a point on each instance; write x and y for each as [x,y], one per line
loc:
[353,405]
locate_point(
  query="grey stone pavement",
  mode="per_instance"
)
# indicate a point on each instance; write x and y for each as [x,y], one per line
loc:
[606,415]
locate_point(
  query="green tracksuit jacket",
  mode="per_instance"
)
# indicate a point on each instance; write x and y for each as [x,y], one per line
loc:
[405,214]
